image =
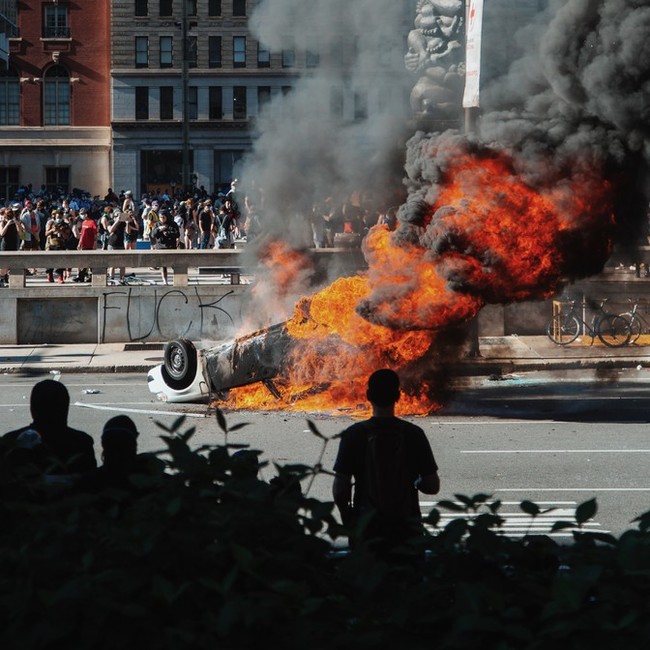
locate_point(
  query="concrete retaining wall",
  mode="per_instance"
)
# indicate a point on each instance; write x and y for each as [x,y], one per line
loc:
[121,314]
[106,314]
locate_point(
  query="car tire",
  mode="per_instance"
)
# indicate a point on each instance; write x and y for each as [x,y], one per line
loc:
[179,366]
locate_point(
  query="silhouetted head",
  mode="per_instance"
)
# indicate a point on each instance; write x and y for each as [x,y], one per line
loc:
[49,403]
[383,387]
[119,440]
[245,463]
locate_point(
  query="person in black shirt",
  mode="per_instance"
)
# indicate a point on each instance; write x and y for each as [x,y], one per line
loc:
[120,459]
[48,442]
[10,227]
[206,217]
[166,236]
[389,459]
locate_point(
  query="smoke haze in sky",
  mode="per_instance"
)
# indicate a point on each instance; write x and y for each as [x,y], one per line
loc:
[566,94]
[343,126]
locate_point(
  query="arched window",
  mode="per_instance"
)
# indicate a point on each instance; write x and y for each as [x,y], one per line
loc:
[56,96]
[9,95]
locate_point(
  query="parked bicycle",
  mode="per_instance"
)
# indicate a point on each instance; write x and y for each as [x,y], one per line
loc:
[613,330]
[639,324]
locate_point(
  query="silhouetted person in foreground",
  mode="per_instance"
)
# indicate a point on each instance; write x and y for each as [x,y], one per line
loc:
[120,459]
[48,442]
[389,460]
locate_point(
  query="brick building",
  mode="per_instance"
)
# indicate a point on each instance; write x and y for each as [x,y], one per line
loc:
[55,108]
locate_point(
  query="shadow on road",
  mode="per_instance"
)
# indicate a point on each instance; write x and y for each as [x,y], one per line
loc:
[569,401]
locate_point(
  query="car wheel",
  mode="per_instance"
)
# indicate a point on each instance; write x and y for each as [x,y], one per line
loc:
[179,364]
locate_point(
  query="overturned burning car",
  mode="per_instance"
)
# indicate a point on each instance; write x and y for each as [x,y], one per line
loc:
[188,374]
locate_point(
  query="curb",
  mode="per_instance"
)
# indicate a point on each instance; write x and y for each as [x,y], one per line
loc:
[473,368]
[80,370]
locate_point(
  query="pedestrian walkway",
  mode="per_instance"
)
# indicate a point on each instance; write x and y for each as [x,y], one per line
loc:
[499,355]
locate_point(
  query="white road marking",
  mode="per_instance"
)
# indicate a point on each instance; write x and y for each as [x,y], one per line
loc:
[519,523]
[576,489]
[555,451]
[120,409]
[513,503]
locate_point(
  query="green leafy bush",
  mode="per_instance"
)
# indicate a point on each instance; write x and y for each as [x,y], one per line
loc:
[204,555]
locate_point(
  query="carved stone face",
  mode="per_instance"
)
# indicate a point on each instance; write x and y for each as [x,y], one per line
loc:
[447,7]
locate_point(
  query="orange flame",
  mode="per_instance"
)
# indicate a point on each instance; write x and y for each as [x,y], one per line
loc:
[334,351]
[490,237]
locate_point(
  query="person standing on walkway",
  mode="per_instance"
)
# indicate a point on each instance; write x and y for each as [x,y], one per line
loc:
[57,233]
[206,218]
[389,460]
[87,240]
[166,236]
[10,231]
[116,230]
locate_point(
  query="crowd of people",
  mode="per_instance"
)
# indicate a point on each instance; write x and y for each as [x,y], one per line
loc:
[42,220]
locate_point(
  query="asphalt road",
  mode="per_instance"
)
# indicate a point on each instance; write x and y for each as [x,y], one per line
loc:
[555,440]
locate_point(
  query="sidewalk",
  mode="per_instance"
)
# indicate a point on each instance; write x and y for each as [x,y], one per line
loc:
[498,355]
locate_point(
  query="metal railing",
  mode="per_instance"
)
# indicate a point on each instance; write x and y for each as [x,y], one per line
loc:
[232,261]
[56,31]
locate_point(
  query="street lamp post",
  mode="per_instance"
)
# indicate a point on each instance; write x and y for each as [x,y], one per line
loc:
[186,98]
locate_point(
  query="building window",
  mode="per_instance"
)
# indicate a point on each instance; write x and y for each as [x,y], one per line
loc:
[8,182]
[193,102]
[214,7]
[191,7]
[56,96]
[238,7]
[166,51]
[167,102]
[263,56]
[336,52]
[214,52]
[312,59]
[263,97]
[57,180]
[288,57]
[142,102]
[336,102]
[239,110]
[141,7]
[166,8]
[192,51]
[360,106]
[141,51]
[225,167]
[215,103]
[9,96]
[55,21]
[239,51]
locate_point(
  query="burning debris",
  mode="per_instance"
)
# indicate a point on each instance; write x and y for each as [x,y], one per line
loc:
[555,174]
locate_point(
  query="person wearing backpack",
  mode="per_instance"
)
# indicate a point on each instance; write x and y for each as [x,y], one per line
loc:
[381,464]
[222,229]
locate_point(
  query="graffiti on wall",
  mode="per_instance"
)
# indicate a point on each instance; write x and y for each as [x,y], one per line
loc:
[166,315]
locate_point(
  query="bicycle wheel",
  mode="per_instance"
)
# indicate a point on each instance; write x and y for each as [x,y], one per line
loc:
[635,325]
[614,331]
[563,329]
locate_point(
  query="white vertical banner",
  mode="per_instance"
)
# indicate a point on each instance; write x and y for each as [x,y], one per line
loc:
[473,53]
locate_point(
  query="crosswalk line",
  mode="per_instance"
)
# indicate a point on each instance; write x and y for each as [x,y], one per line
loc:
[517,523]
